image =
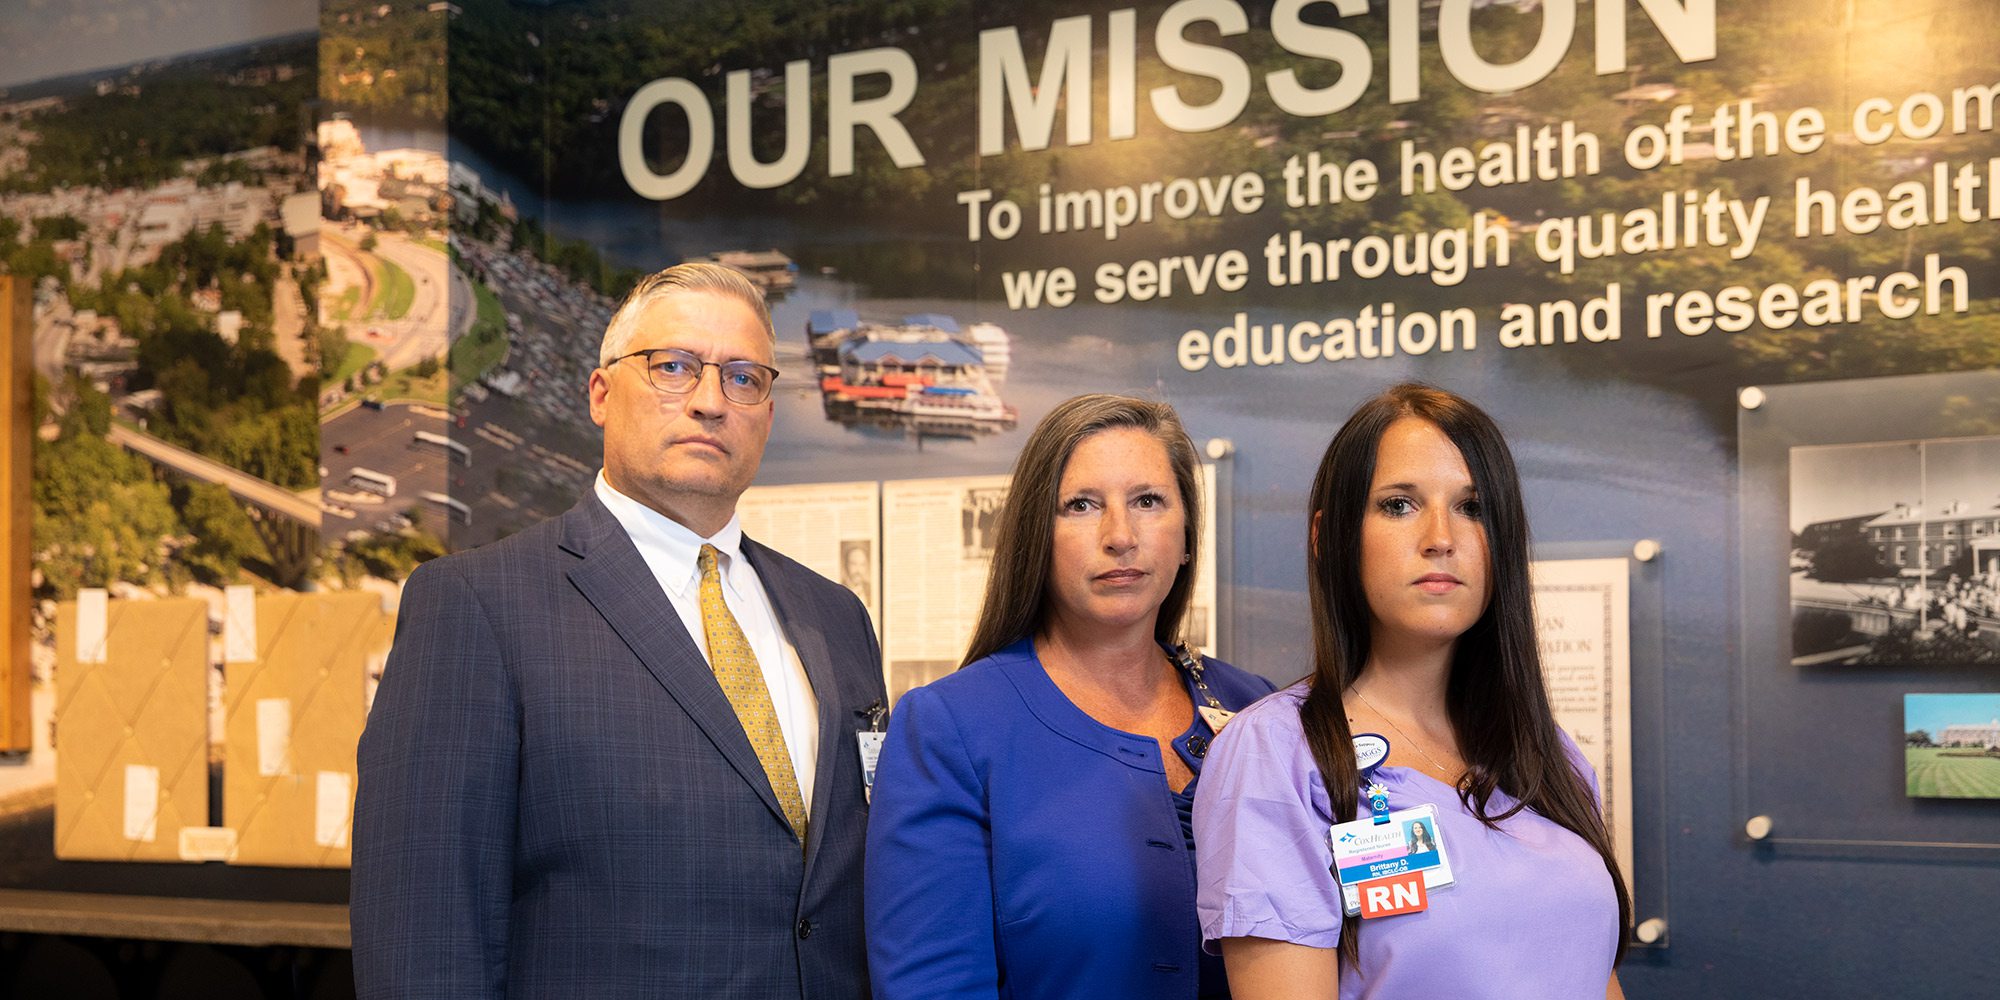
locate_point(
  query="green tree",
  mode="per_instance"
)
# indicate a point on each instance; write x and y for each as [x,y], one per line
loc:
[223,534]
[34,261]
[58,227]
[393,556]
[281,446]
[333,349]
[99,517]
[189,109]
[38,399]
[89,411]
[1902,647]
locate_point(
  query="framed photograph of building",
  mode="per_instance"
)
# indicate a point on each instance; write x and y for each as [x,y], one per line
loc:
[1951,746]
[1895,553]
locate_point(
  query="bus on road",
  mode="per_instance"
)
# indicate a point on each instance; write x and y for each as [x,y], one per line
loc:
[456,449]
[370,481]
[457,509]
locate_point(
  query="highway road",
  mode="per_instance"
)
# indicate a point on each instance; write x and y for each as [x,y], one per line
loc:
[441,311]
[345,269]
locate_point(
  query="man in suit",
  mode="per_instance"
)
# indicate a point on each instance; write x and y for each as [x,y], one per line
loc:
[614,755]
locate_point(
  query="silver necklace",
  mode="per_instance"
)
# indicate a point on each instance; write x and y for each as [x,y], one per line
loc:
[1414,745]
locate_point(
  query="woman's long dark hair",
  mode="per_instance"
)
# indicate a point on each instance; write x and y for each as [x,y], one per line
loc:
[1494,696]
[1016,603]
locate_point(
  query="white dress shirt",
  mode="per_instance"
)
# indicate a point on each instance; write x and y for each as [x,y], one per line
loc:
[671,551]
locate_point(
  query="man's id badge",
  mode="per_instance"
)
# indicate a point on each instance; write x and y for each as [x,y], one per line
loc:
[1389,868]
[870,744]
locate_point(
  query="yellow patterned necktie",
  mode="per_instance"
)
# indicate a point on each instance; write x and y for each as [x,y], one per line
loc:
[742,681]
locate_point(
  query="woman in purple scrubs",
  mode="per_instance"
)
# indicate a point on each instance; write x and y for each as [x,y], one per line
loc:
[1029,836]
[1424,633]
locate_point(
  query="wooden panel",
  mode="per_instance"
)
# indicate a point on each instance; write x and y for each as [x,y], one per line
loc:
[17,330]
[259,924]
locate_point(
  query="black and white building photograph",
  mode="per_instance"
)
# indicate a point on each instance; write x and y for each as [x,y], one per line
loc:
[1895,555]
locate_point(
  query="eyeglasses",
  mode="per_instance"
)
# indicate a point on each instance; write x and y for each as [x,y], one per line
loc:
[745,383]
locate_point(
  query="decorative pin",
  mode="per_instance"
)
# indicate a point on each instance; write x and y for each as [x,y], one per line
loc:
[1378,802]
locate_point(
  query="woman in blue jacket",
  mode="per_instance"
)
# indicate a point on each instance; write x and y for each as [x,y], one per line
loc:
[1030,836]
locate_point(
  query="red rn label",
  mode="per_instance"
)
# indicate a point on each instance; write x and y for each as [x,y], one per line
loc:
[1386,897]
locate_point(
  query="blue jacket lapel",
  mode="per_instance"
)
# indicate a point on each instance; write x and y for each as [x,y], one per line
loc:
[614,578]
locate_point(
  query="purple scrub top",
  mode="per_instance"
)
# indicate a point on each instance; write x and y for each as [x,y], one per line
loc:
[1532,912]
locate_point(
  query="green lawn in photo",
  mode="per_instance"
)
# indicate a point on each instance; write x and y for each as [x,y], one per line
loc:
[359,356]
[407,386]
[344,307]
[398,291]
[1933,774]
[485,344]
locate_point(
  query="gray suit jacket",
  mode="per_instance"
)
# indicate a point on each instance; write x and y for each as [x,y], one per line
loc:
[556,800]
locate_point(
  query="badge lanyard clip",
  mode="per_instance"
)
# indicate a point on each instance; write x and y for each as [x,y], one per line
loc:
[875,714]
[1212,713]
[869,742]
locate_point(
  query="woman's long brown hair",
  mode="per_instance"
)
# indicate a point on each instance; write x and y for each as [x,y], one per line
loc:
[1494,696]
[1016,603]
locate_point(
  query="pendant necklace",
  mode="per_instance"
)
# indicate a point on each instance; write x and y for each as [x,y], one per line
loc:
[1414,745]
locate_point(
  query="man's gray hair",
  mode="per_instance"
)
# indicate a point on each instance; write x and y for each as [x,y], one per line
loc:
[695,276]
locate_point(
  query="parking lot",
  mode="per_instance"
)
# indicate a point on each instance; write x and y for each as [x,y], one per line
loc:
[384,441]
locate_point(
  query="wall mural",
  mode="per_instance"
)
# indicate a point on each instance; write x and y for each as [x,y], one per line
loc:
[314,304]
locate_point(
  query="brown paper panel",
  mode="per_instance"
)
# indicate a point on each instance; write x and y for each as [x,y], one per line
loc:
[146,706]
[312,658]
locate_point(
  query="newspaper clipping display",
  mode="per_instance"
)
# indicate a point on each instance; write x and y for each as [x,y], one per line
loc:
[935,559]
[1583,620]
[834,529]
